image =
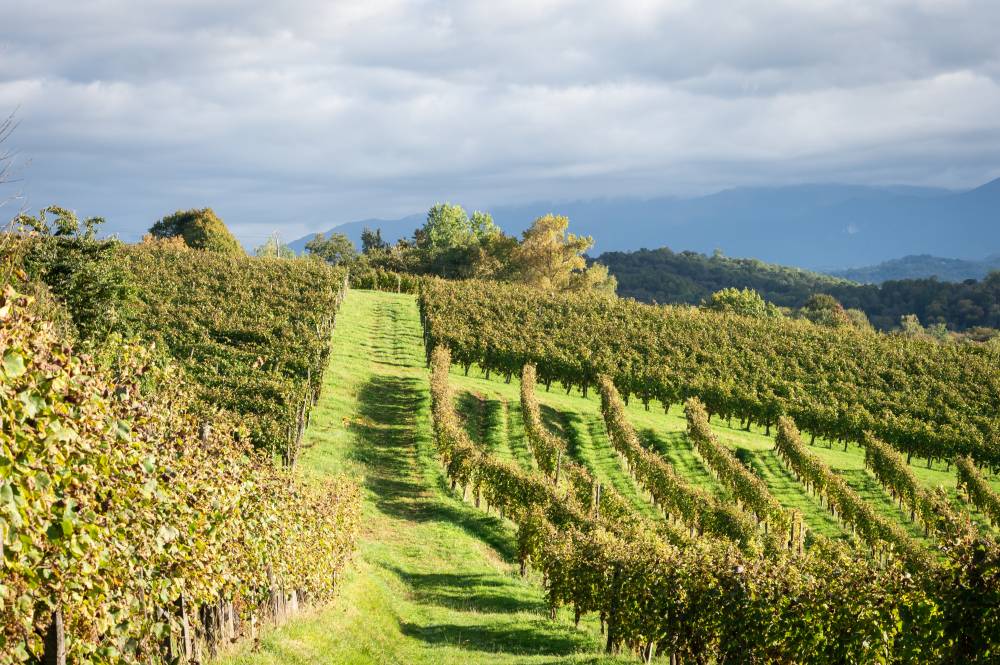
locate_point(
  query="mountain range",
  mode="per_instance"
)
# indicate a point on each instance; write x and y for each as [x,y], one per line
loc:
[924,265]
[825,227]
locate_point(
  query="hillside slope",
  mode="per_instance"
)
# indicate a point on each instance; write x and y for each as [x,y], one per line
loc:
[921,267]
[435,581]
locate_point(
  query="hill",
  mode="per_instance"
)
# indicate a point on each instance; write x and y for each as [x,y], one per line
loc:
[437,578]
[664,276]
[817,226]
[667,277]
[920,267]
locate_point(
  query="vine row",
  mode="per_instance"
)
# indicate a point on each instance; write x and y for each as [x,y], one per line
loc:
[708,600]
[923,398]
[879,534]
[747,488]
[979,492]
[132,529]
[931,506]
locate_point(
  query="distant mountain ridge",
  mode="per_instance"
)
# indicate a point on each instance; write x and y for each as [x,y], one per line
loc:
[920,267]
[824,227]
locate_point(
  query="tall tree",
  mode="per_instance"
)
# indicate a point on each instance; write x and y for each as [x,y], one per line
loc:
[447,227]
[372,241]
[200,229]
[275,249]
[552,259]
[336,249]
[483,227]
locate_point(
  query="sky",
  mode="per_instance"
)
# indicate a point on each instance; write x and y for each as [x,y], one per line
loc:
[295,116]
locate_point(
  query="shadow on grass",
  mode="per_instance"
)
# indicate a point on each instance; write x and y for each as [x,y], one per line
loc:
[869,489]
[483,418]
[790,492]
[676,449]
[387,446]
[536,637]
[485,593]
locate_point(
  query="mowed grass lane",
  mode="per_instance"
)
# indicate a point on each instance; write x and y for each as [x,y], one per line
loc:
[434,581]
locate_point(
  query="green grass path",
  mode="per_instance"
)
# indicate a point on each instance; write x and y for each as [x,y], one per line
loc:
[433,581]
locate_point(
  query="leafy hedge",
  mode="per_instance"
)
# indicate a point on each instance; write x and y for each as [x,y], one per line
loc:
[377,279]
[253,334]
[128,520]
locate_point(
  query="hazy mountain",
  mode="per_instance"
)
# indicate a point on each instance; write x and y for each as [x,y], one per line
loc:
[918,267]
[822,227]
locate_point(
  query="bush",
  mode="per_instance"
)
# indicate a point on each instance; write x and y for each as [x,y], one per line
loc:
[200,229]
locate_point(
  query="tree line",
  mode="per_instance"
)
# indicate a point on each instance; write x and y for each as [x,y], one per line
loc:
[664,276]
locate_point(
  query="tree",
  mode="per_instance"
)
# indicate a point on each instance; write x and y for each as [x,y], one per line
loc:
[552,259]
[274,248]
[483,227]
[200,229]
[372,241]
[447,227]
[825,310]
[910,326]
[595,279]
[335,250]
[746,303]
[84,273]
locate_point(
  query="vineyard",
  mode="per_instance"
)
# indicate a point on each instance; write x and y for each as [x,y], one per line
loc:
[149,511]
[480,322]
[534,479]
[930,400]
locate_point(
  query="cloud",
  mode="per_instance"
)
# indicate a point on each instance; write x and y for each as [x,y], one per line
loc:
[298,115]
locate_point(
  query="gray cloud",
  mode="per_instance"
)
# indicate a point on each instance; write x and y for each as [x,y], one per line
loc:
[299,115]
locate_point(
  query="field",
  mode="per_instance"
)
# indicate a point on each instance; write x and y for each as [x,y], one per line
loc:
[436,580]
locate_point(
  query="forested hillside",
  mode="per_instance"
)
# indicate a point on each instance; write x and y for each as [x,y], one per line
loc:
[664,276]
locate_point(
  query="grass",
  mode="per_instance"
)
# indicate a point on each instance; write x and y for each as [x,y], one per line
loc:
[434,580]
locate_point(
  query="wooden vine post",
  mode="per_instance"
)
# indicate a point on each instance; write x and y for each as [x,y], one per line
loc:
[55,641]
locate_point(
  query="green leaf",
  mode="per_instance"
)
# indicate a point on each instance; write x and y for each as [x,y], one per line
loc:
[33,402]
[13,364]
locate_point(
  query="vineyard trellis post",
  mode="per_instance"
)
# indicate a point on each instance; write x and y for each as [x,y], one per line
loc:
[55,640]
